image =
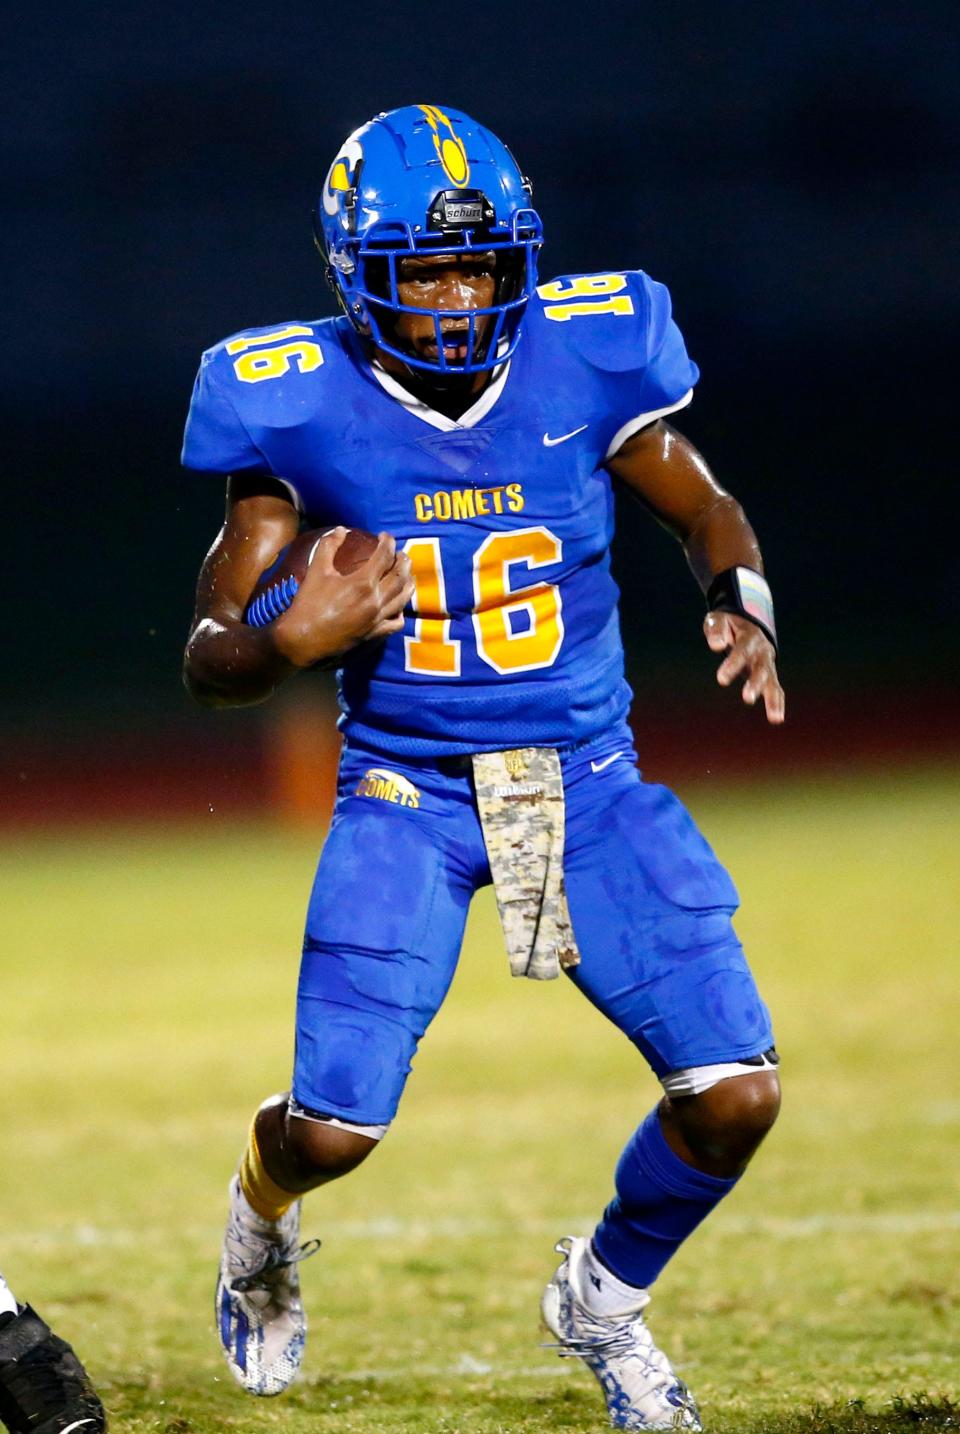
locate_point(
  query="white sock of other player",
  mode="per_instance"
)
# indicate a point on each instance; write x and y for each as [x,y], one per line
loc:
[8,1304]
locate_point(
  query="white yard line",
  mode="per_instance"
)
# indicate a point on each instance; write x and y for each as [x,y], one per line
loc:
[771,1227]
[466,1367]
[902,1222]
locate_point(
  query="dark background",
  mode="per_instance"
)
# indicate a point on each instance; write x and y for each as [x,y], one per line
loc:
[789,171]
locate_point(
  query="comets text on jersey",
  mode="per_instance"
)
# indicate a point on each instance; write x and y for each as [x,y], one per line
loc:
[468,503]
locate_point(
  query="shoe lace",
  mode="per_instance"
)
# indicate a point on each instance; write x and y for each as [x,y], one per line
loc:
[277,1258]
[628,1342]
[621,1342]
[629,1339]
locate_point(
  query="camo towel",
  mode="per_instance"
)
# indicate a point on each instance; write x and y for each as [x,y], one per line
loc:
[520,800]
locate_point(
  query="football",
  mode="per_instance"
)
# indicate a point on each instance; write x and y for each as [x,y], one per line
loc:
[277,585]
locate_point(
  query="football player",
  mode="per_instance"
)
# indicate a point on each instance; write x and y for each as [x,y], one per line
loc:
[44,1389]
[479,422]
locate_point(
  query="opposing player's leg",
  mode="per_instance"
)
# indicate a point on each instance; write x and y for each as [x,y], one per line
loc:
[384,929]
[44,1389]
[652,908]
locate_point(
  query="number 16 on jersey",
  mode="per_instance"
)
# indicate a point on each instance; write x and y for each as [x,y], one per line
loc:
[515,629]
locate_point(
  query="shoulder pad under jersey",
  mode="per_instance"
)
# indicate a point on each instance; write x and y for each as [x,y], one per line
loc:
[621,325]
[249,382]
[616,321]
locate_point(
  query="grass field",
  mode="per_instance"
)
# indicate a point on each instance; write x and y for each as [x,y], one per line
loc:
[149,983]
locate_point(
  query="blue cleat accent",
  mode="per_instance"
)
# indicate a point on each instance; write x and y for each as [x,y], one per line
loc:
[638,1381]
[260,1318]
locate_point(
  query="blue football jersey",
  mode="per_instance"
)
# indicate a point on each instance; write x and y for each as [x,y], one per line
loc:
[512,638]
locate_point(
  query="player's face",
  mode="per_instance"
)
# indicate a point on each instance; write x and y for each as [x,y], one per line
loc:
[448,282]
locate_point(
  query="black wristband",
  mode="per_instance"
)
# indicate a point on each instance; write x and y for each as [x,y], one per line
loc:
[743,591]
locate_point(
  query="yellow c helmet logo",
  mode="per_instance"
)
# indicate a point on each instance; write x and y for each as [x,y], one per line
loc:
[342,175]
[449,146]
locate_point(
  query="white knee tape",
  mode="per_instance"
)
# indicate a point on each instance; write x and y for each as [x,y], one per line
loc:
[372,1132]
[700,1078]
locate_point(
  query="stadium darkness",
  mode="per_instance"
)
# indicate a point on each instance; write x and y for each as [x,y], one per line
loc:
[784,170]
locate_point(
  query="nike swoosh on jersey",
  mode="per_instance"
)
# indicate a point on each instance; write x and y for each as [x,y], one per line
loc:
[77,1424]
[599,766]
[549,442]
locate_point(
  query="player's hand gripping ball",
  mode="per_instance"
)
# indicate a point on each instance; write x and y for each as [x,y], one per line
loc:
[277,585]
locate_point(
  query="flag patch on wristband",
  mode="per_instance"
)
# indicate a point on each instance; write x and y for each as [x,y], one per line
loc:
[756,599]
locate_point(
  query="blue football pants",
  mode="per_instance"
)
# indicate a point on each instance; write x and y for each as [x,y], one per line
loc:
[650,904]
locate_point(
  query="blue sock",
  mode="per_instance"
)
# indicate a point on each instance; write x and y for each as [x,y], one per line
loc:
[660,1200]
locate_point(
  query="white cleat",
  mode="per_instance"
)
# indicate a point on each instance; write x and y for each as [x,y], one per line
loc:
[638,1381]
[260,1318]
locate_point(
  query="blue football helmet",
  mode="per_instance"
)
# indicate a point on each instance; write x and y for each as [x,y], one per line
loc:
[418,181]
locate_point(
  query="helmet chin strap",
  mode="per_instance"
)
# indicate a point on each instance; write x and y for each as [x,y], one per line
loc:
[448,381]
[436,380]
[447,391]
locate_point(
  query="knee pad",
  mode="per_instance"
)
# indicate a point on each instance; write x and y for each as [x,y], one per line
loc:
[700,1078]
[372,1132]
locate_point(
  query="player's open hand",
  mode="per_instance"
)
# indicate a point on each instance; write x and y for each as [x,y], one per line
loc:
[333,611]
[749,652]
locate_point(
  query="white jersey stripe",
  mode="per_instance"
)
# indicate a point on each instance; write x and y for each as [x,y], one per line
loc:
[643,420]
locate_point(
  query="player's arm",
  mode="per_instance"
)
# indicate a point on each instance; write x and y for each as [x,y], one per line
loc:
[228,663]
[661,468]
